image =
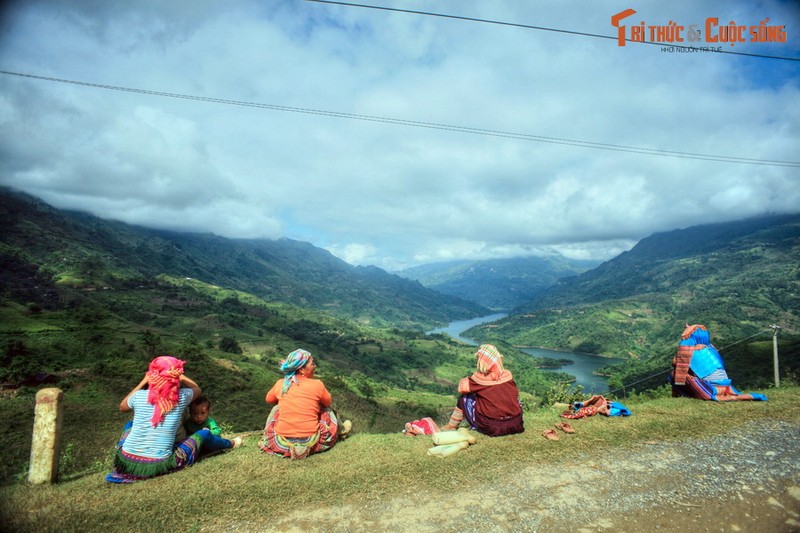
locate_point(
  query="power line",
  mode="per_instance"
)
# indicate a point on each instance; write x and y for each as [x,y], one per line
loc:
[429,125]
[541,28]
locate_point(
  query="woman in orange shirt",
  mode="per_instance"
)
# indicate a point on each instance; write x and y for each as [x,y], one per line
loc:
[302,422]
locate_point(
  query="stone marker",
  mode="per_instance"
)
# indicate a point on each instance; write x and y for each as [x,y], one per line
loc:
[46,444]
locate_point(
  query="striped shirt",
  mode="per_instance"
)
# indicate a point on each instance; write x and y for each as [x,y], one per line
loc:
[154,442]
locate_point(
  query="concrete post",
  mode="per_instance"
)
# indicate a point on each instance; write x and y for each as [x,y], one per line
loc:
[775,367]
[46,443]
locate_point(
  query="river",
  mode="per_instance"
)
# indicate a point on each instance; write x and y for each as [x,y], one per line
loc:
[455,329]
[582,366]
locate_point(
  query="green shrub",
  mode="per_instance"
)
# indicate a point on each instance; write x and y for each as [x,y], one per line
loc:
[563,392]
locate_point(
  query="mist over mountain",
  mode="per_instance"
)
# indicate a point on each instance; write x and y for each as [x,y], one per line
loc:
[81,249]
[499,284]
[702,262]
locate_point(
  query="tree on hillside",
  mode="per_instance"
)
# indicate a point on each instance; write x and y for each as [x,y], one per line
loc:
[91,267]
[151,343]
[190,349]
[229,345]
[16,362]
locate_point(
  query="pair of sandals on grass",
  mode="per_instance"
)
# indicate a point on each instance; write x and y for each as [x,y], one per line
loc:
[551,434]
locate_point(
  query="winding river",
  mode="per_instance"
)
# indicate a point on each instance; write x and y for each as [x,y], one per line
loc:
[582,366]
[455,329]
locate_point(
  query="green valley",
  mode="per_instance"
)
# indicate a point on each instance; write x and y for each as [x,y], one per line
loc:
[86,303]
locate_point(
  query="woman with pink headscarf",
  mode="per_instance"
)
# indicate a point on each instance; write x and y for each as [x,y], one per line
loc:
[489,398]
[148,446]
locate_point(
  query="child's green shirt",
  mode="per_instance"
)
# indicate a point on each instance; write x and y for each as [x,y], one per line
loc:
[210,423]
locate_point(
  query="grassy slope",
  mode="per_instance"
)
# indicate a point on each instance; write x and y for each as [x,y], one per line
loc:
[237,387]
[248,487]
[96,343]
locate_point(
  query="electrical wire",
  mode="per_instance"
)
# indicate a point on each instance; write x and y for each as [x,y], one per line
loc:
[542,28]
[428,125]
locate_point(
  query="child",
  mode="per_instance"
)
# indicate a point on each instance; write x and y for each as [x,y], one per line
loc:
[199,419]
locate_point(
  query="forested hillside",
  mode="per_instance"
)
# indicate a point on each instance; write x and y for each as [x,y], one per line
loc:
[83,251]
[701,262]
[736,278]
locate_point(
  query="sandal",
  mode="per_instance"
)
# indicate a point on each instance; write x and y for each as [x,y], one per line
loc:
[550,434]
[565,427]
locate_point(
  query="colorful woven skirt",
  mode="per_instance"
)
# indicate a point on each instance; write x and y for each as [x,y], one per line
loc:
[129,468]
[299,448]
[466,402]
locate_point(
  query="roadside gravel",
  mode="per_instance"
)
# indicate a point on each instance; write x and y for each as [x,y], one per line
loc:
[747,480]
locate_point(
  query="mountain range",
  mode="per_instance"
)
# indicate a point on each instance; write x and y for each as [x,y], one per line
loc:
[738,275]
[85,303]
[753,255]
[737,278]
[499,284]
[81,250]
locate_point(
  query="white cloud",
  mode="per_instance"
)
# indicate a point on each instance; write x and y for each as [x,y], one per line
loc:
[390,194]
[355,253]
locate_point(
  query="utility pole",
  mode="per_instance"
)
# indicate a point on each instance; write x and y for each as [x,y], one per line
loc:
[775,329]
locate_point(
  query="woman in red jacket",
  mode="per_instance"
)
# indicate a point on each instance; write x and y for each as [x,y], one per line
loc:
[489,398]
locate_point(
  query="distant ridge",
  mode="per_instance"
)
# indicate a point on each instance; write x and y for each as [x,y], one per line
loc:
[67,243]
[499,284]
[736,278]
[667,261]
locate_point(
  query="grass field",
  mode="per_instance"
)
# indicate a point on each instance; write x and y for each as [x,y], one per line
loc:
[246,484]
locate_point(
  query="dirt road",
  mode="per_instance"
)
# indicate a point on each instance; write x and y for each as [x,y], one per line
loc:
[748,480]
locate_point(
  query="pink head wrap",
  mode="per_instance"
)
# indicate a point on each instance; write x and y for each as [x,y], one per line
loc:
[163,378]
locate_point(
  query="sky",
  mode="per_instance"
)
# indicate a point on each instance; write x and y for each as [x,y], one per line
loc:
[397,139]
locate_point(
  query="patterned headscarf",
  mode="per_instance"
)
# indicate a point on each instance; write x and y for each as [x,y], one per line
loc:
[490,361]
[296,360]
[163,378]
[694,335]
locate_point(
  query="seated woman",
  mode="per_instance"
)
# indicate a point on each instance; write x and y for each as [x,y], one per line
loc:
[147,447]
[489,398]
[302,422]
